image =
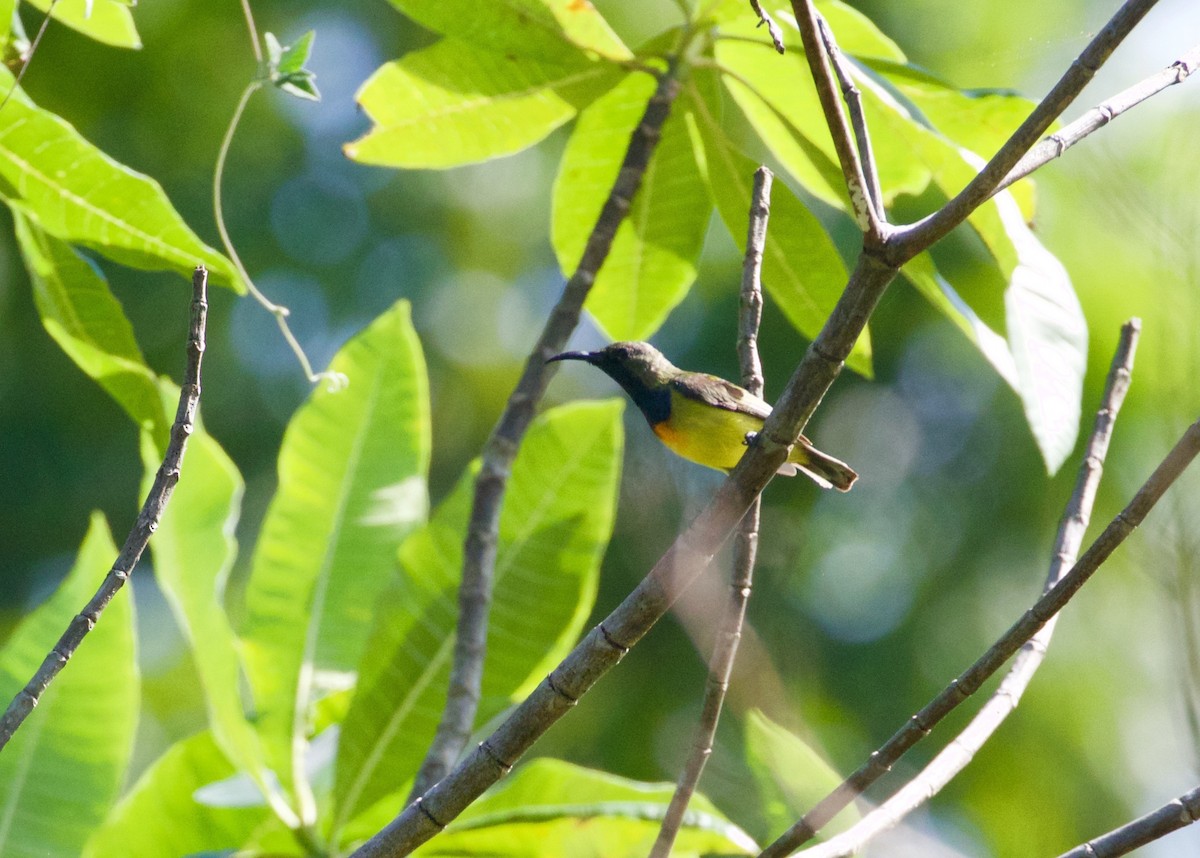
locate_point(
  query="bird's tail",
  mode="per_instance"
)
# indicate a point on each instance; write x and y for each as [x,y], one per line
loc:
[824,470]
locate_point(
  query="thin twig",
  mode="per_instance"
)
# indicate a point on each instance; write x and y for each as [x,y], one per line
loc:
[766,20]
[869,220]
[1007,696]
[1172,816]
[729,634]
[33,46]
[335,379]
[1033,620]
[479,555]
[253,31]
[909,241]
[146,523]
[1059,142]
[858,119]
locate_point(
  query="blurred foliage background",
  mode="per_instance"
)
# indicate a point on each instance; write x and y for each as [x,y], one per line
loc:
[866,604]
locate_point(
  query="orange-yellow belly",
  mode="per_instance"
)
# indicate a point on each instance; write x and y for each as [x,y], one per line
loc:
[706,434]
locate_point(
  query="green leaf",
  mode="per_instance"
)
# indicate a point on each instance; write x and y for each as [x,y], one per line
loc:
[556,520]
[352,474]
[652,263]
[285,66]
[82,316]
[791,776]
[777,96]
[1047,333]
[160,816]
[62,770]
[290,59]
[549,808]
[923,274]
[977,120]
[78,194]
[194,550]
[10,36]
[802,270]
[107,21]
[452,104]
[557,31]
[1048,336]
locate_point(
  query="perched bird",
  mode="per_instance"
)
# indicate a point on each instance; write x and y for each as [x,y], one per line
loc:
[702,417]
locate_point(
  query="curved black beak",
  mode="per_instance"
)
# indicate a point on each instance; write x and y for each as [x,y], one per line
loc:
[586,357]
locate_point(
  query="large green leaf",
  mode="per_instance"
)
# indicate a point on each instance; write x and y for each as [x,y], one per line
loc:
[560,31]
[107,21]
[62,770]
[802,270]
[923,274]
[452,104]
[977,120]
[78,194]
[1046,330]
[160,815]
[556,521]
[791,776]
[549,808]
[778,98]
[352,474]
[1048,337]
[652,263]
[194,549]
[81,314]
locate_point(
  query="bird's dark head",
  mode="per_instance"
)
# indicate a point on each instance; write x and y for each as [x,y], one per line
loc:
[631,364]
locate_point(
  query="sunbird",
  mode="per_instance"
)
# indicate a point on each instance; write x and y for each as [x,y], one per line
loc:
[701,417]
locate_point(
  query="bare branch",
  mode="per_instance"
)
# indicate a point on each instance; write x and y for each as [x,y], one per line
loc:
[959,752]
[146,523]
[1172,816]
[772,27]
[1034,619]
[479,555]
[604,646]
[869,220]
[720,665]
[909,241]
[1059,142]
[858,119]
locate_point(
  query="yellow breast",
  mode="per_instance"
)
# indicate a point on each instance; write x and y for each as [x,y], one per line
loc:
[706,434]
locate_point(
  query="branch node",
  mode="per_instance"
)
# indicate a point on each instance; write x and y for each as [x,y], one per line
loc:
[554,687]
[613,642]
[487,749]
[425,812]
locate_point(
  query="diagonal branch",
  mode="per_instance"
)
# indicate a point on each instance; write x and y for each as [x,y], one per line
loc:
[870,220]
[146,523]
[1172,816]
[729,635]
[1004,701]
[909,241]
[1025,628]
[1059,142]
[604,646]
[479,555]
